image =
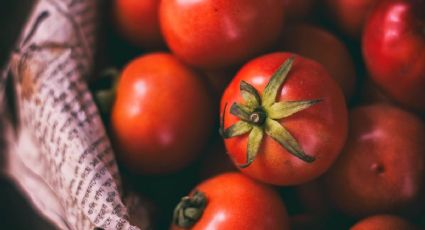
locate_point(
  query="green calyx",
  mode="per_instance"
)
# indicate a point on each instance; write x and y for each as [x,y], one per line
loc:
[104,90]
[259,115]
[189,210]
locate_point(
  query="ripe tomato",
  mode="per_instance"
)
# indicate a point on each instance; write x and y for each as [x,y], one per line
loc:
[382,167]
[383,222]
[137,21]
[161,117]
[216,33]
[350,15]
[293,139]
[323,47]
[231,201]
[394,50]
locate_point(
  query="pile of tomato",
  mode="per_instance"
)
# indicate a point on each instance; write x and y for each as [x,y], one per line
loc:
[272,114]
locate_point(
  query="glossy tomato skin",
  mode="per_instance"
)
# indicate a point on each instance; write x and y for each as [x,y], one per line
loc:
[216,33]
[162,115]
[382,167]
[318,44]
[394,50]
[138,22]
[320,130]
[350,15]
[235,201]
[383,222]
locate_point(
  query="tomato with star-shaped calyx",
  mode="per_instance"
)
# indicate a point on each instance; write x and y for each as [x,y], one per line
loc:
[284,119]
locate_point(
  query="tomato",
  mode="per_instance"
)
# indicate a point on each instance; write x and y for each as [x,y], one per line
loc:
[161,117]
[231,201]
[350,15]
[138,22]
[323,47]
[292,133]
[382,167]
[394,50]
[383,222]
[211,34]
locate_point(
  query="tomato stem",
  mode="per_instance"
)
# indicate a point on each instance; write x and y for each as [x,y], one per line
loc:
[258,116]
[189,210]
[104,89]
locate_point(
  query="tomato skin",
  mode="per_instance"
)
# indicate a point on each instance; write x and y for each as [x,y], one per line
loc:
[326,121]
[382,166]
[394,50]
[350,15]
[383,222]
[138,22]
[235,201]
[323,47]
[211,34]
[161,117]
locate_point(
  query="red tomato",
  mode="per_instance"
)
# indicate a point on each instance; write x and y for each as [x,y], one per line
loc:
[309,118]
[382,167]
[232,201]
[350,15]
[323,47]
[383,222]
[161,117]
[216,33]
[394,50]
[138,22]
